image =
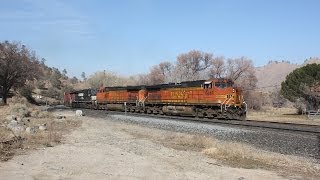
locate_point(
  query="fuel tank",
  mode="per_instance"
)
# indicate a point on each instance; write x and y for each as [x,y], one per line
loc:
[179,110]
[115,107]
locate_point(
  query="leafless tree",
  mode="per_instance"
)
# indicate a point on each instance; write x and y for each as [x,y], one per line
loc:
[166,68]
[160,73]
[106,78]
[241,70]
[237,67]
[143,79]
[189,65]
[18,65]
[156,76]
[218,69]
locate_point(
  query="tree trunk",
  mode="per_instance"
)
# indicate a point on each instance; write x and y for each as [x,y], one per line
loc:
[5,93]
[4,98]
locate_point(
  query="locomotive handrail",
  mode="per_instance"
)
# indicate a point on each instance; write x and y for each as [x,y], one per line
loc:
[225,103]
[141,101]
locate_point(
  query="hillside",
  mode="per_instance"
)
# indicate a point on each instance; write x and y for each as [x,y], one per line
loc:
[271,75]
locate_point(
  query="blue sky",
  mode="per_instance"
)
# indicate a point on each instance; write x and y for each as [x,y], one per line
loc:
[129,36]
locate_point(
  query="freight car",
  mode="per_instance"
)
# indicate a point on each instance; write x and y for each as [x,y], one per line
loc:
[214,98]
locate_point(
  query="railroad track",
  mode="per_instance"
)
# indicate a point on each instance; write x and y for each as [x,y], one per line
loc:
[303,128]
[285,138]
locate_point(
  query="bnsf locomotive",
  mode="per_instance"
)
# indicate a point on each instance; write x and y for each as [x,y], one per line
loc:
[214,98]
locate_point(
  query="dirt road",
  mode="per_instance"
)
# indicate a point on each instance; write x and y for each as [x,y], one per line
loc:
[103,149]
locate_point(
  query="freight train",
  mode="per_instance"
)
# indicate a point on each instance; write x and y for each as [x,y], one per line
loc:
[214,98]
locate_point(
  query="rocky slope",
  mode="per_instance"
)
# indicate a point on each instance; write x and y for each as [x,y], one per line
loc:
[271,75]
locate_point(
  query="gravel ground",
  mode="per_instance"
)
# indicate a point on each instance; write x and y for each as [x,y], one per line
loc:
[300,144]
[106,149]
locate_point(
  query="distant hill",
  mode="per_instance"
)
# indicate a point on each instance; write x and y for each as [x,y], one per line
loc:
[271,75]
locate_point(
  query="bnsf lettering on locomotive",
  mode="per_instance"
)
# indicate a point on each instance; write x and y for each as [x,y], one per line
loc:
[178,94]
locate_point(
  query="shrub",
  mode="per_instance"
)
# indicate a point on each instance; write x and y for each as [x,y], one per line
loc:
[40,114]
[26,92]
[20,110]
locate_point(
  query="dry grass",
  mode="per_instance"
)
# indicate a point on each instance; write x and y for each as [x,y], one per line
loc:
[183,142]
[20,110]
[7,148]
[245,156]
[280,115]
[230,153]
[52,136]
[15,142]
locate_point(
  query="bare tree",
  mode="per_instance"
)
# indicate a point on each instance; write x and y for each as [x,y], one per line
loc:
[106,78]
[218,69]
[156,76]
[189,65]
[143,79]
[18,65]
[237,67]
[160,73]
[165,68]
[241,70]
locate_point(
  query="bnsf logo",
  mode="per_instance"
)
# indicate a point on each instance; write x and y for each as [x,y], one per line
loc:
[180,94]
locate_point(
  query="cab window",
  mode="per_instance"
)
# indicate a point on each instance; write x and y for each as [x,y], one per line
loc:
[207,85]
[221,85]
[230,84]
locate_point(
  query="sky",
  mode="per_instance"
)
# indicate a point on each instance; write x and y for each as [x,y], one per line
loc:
[130,36]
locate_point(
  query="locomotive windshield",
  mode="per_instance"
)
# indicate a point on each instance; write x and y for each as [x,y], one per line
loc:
[223,84]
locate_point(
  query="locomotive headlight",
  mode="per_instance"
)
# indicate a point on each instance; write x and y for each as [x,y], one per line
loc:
[233,90]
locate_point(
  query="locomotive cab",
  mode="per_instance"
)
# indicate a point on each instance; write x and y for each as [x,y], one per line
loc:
[232,94]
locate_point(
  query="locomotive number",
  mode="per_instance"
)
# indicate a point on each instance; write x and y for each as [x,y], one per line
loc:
[208,92]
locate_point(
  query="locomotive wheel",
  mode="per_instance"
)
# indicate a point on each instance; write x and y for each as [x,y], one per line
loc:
[155,111]
[201,113]
[149,110]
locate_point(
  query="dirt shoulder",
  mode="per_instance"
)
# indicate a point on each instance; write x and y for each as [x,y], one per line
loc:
[285,115]
[24,127]
[103,149]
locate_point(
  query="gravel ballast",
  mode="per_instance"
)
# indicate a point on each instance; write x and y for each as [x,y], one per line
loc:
[285,142]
